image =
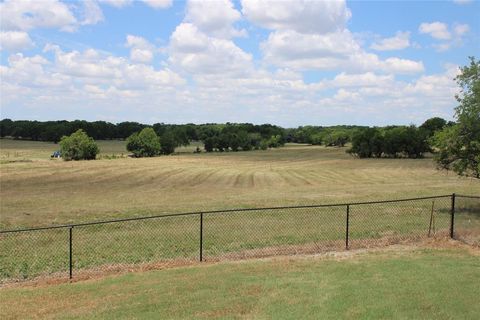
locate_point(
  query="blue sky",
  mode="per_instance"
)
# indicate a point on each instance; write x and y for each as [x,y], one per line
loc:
[284,62]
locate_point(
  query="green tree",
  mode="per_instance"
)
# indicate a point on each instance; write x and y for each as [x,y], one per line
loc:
[168,143]
[209,144]
[144,144]
[459,146]
[363,143]
[433,125]
[78,146]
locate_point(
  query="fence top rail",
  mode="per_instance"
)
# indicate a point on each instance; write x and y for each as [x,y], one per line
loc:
[222,211]
[465,196]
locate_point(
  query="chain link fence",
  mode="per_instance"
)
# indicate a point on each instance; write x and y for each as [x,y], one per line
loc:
[81,250]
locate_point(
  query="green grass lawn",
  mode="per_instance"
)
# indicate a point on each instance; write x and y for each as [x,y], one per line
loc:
[401,284]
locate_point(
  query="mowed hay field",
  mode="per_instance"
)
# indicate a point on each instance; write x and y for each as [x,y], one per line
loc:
[37,191]
[398,283]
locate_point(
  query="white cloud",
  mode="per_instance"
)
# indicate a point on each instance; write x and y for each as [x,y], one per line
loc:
[402,66]
[195,52]
[331,51]
[158,4]
[303,16]
[155,4]
[30,14]
[401,40]
[15,41]
[141,50]
[92,14]
[461,29]
[117,3]
[440,31]
[367,79]
[215,18]
[437,30]
[94,68]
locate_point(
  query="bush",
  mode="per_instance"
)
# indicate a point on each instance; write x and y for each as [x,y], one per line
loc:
[144,144]
[78,146]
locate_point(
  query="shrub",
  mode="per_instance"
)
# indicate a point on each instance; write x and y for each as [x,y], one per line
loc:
[144,144]
[78,146]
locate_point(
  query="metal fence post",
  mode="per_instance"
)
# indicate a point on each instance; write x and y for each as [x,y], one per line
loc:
[70,260]
[201,236]
[452,217]
[347,226]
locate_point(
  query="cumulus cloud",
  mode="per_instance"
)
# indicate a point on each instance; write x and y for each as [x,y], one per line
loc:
[156,4]
[437,30]
[449,37]
[15,41]
[303,16]
[401,40]
[196,52]
[215,18]
[367,79]
[461,29]
[91,13]
[141,50]
[331,51]
[117,3]
[93,67]
[30,14]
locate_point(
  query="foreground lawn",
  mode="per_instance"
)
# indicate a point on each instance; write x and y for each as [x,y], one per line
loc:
[405,283]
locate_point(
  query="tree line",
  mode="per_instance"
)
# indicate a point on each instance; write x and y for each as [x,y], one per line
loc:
[391,141]
[397,141]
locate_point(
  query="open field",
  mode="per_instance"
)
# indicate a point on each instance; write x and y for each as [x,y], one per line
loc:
[44,191]
[401,282]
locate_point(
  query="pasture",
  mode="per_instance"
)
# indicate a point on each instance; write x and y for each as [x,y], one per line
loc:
[37,191]
[401,282]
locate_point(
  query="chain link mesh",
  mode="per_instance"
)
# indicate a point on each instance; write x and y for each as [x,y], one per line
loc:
[467,219]
[234,234]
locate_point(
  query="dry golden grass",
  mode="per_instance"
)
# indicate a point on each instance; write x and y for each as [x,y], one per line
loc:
[44,191]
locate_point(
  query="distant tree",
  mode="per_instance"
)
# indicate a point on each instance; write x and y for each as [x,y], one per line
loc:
[254,140]
[126,129]
[168,143]
[144,144]
[459,145]
[264,145]
[78,146]
[365,143]
[275,141]
[209,144]
[317,139]
[433,125]
[337,138]
[6,126]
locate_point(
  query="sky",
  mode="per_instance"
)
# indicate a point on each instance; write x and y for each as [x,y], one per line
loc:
[290,62]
